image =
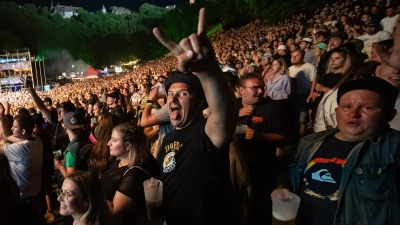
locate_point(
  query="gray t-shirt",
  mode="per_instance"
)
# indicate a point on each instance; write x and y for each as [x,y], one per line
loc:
[26,159]
[162,116]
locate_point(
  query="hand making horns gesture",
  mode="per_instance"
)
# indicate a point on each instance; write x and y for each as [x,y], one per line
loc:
[194,53]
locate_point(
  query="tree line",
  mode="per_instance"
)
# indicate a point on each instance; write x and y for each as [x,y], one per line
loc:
[100,38]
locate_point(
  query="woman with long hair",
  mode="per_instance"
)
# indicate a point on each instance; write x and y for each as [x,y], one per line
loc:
[100,158]
[123,180]
[279,85]
[339,70]
[99,110]
[82,197]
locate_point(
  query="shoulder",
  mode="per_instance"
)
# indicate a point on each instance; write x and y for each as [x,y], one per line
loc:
[308,65]
[317,137]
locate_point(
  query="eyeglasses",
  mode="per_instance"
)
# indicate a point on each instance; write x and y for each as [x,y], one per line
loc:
[256,88]
[65,195]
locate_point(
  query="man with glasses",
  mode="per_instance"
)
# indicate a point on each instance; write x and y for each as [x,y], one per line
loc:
[262,125]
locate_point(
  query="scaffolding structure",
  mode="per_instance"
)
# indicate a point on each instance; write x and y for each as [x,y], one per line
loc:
[14,68]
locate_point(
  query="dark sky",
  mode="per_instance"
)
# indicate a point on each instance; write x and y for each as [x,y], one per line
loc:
[94,5]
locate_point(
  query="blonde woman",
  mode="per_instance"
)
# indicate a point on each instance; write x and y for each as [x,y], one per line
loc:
[339,70]
[123,180]
[279,85]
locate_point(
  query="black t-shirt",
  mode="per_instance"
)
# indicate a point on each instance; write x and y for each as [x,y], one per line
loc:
[321,180]
[195,177]
[119,114]
[269,116]
[259,154]
[130,185]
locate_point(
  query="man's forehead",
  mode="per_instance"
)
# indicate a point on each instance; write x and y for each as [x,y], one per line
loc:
[372,95]
[179,85]
[253,81]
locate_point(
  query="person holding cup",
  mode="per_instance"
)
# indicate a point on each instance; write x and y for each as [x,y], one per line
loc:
[123,180]
[349,175]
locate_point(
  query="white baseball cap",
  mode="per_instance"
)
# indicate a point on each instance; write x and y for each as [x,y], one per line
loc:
[282,47]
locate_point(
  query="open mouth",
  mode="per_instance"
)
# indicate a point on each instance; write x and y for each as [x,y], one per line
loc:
[175,112]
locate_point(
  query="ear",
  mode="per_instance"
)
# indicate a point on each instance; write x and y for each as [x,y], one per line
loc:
[23,131]
[241,90]
[128,145]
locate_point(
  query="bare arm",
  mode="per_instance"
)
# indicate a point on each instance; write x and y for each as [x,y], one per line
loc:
[39,103]
[148,119]
[5,127]
[120,205]
[196,54]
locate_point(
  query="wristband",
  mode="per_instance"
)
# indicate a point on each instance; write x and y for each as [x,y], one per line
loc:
[149,101]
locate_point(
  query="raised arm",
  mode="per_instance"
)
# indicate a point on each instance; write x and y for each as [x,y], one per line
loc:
[39,103]
[150,119]
[195,54]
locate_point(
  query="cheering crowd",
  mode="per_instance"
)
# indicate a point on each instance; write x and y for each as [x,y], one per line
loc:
[308,106]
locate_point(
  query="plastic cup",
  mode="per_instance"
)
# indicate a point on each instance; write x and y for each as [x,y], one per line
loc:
[161,92]
[284,211]
[153,190]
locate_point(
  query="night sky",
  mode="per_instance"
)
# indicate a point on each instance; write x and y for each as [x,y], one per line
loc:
[94,5]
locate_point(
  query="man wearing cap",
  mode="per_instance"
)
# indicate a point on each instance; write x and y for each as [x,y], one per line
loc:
[194,156]
[74,158]
[350,174]
[373,35]
[113,108]
[305,45]
[283,53]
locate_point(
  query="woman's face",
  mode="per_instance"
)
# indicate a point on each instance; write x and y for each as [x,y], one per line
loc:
[117,146]
[336,61]
[90,109]
[317,52]
[276,68]
[71,202]
[96,111]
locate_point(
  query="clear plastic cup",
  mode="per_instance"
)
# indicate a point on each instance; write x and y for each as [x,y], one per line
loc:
[153,190]
[284,210]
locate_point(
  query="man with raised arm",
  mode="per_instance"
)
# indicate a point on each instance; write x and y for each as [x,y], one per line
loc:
[194,157]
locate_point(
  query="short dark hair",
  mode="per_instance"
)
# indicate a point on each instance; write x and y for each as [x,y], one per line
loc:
[25,121]
[68,106]
[247,76]
[301,51]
